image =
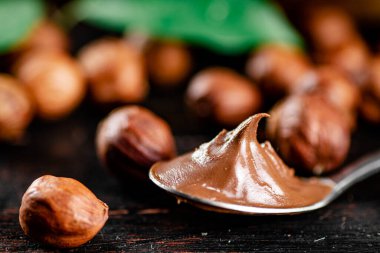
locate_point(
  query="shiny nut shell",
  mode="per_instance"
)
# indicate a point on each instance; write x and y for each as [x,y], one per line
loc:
[61,212]
[136,137]
[309,133]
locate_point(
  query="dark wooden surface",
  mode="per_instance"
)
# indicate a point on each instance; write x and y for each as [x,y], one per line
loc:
[143,218]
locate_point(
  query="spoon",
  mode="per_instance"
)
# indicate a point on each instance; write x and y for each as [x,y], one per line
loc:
[340,182]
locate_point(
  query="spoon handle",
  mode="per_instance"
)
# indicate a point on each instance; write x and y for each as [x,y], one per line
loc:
[356,172]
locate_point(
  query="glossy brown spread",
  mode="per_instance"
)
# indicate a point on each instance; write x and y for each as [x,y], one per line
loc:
[235,168]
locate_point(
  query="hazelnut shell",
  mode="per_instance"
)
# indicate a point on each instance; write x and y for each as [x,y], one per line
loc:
[131,139]
[61,212]
[16,108]
[309,133]
[223,95]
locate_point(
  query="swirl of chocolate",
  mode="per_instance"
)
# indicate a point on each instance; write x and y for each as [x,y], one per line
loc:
[235,168]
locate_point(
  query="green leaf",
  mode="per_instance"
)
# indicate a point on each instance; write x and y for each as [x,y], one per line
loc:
[17,17]
[227,26]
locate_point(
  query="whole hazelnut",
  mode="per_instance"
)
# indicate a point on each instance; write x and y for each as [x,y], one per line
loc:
[54,80]
[61,212]
[353,59]
[16,108]
[115,71]
[168,63]
[309,133]
[329,27]
[279,69]
[223,95]
[335,88]
[46,36]
[131,139]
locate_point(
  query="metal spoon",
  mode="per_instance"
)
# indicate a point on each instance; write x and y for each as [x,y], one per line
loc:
[340,181]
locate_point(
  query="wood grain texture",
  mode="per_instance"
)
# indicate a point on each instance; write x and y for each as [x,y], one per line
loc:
[145,219]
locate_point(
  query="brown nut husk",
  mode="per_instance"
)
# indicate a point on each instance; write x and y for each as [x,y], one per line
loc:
[54,80]
[16,108]
[115,71]
[169,63]
[309,133]
[61,212]
[223,95]
[131,139]
[279,69]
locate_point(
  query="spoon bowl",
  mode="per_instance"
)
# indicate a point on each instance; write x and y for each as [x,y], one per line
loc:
[339,182]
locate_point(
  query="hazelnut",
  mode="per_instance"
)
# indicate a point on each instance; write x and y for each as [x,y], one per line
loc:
[279,69]
[223,95]
[329,27]
[370,106]
[168,63]
[309,133]
[353,59]
[46,36]
[131,139]
[336,89]
[61,212]
[55,81]
[115,71]
[16,108]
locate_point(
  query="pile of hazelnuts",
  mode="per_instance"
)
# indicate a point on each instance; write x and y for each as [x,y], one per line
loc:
[318,101]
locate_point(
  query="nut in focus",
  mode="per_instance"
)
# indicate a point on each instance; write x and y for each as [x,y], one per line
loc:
[309,133]
[61,212]
[131,139]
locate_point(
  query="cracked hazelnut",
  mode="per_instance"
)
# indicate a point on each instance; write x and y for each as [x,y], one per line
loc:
[54,80]
[168,63]
[131,139]
[61,212]
[115,71]
[309,133]
[223,95]
[16,108]
[279,69]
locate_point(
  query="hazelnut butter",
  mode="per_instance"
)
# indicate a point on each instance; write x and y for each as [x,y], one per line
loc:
[235,168]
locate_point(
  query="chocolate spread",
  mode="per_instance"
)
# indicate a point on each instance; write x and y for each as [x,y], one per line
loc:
[235,168]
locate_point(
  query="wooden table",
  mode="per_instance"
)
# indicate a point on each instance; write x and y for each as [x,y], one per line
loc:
[143,218]
[146,219]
